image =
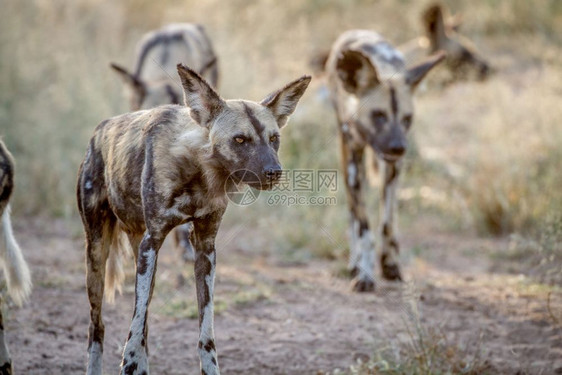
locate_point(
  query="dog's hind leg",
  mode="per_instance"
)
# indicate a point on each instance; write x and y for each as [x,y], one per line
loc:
[97,249]
[182,241]
[99,224]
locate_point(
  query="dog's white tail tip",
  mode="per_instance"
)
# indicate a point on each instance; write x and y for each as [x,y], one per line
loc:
[15,268]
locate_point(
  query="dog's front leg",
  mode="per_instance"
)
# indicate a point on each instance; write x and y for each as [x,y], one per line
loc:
[389,244]
[362,251]
[205,230]
[135,354]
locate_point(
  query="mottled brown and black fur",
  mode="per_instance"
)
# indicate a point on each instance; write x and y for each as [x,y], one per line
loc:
[372,90]
[154,82]
[6,176]
[147,172]
[441,34]
[15,268]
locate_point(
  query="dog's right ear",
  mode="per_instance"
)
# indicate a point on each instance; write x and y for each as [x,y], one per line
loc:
[435,28]
[200,97]
[356,72]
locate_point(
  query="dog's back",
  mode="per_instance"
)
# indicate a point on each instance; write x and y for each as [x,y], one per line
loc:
[161,50]
[388,61]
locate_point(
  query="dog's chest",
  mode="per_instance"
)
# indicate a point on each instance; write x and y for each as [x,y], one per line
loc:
[196,203]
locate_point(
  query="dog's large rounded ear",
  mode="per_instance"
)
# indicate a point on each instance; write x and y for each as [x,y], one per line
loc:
[356,72]
[282,103]
[200,97]
[415,74]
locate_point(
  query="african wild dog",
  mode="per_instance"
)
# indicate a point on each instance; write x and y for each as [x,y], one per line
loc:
[16,270]
[371,90]
[147,172]
[154,82]
[441,34]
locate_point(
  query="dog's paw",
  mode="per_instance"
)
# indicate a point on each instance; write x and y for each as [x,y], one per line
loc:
[391,272]
[362,286]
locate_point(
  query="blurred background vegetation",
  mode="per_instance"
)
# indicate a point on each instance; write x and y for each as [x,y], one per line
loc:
[485,156]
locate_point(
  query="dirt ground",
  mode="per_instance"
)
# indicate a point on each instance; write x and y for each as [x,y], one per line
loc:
[280,318]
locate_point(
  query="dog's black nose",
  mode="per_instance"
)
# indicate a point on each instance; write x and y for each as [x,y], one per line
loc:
[396,147]
[273,174]
[397,150]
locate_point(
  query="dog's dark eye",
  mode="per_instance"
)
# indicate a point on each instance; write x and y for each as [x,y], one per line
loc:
[239,140]
[273,138]
[379,118]
[407,121]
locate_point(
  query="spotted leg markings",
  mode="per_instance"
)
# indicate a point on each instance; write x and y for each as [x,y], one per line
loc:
[361,255]
[95,277]
[135,356]
[205,278]
[389,244]
[364,243]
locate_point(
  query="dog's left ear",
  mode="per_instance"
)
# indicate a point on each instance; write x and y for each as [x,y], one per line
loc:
[283,102]
[415,74]
[200,97]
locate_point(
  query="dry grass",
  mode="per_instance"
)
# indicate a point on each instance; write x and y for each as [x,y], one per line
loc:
[419,348]
[426,352]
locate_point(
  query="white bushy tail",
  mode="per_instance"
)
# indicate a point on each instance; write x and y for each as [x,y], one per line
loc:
[15,268]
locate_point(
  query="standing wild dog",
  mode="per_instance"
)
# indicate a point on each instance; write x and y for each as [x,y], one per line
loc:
[372,92]
[154,82]
[147,172]
[441,35]
[15,269]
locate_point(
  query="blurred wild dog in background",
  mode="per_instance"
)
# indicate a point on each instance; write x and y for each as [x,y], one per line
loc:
[15,268]
[371,90]
[154,81]
[441,34]
[149,171]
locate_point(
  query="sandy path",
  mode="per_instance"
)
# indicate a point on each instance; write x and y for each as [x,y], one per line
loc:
[277,319]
